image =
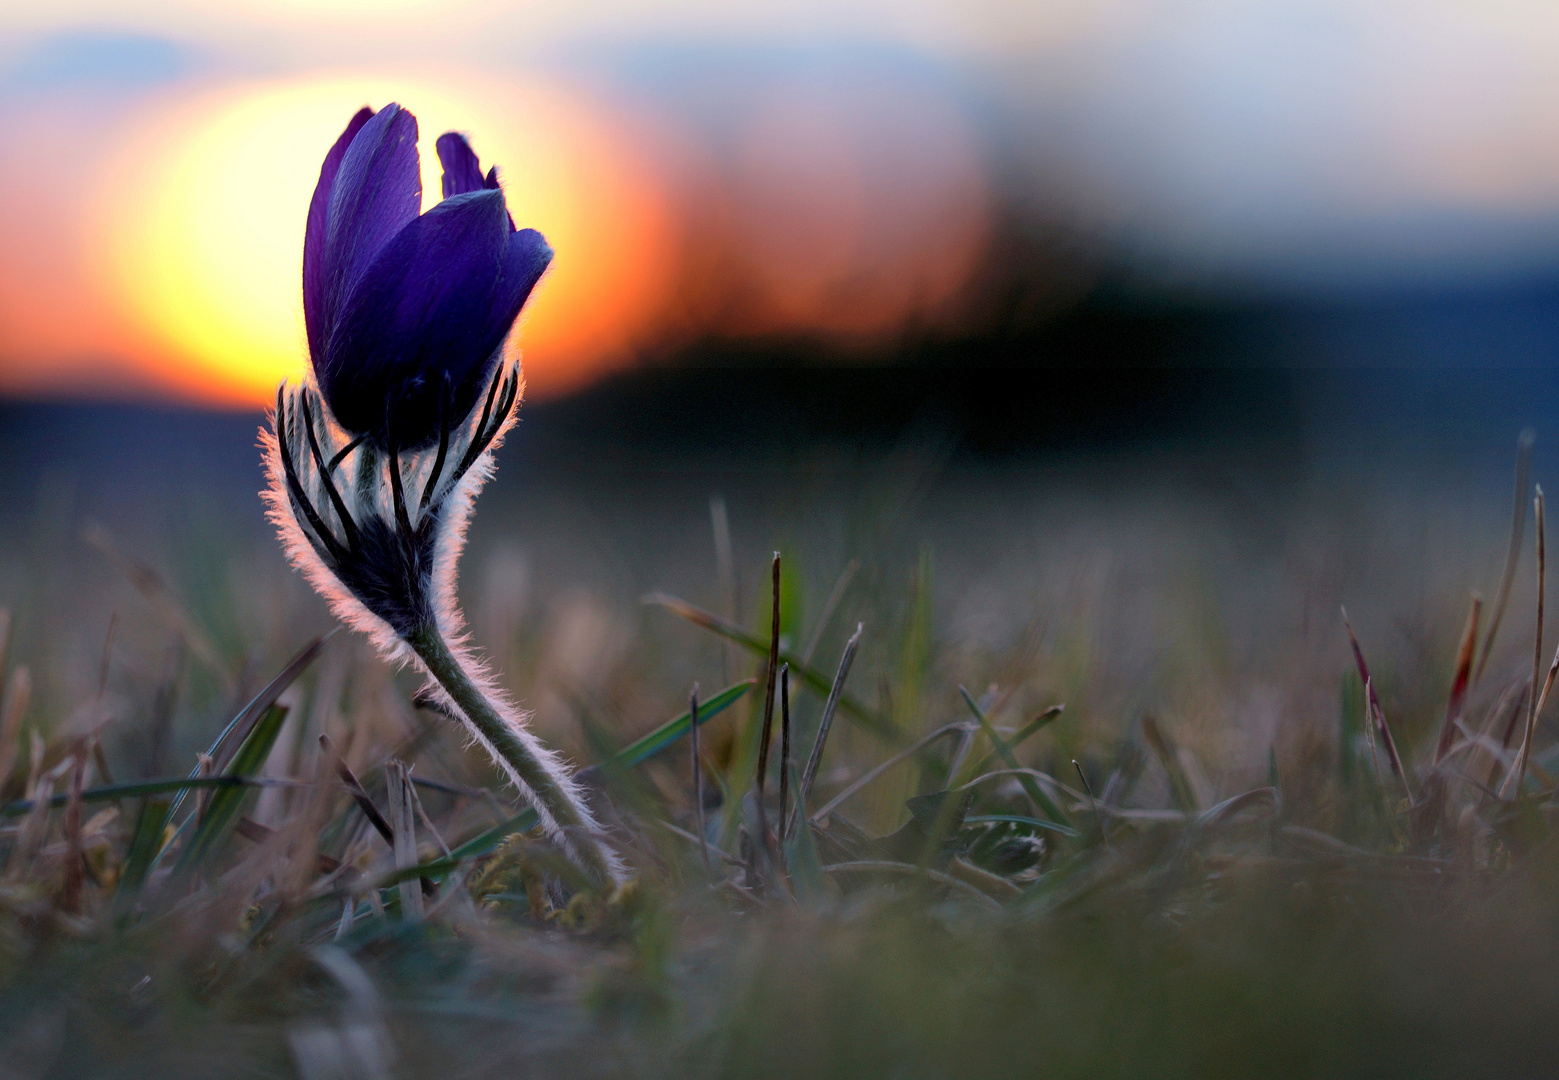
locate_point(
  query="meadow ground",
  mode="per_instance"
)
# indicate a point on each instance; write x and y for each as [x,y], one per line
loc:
[1205,864]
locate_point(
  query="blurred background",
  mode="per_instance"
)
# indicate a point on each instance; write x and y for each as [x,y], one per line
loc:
[1142,334]
[1056,183]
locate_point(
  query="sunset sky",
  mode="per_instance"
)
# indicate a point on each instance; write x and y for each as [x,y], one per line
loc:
[832,169]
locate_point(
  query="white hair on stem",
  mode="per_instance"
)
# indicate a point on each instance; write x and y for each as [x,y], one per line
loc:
[315,534]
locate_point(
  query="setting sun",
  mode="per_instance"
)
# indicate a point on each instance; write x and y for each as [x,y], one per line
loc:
[205,218]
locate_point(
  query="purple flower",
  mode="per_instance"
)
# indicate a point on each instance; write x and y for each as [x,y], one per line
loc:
[407,314]
[375,462]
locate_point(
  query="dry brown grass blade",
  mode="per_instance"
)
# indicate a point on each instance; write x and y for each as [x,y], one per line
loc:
[815,759]
[1057,787]
[908,752]
[403,822]
[1375,714]
[1459,682]
[1518,775]
[1548,683]
[1179,783]
[359,793]
[1507,577]
[238,730]
[34,827]
[13,709]
[1093,802]
[704,848]
[70,888]
[1222,812]
[1519,691]
[1369,731]
[1388,741]
[423,815]
[204,766]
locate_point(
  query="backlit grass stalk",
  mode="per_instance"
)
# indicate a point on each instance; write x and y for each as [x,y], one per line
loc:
[1507,577]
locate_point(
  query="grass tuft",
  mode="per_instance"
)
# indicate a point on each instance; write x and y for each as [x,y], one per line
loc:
[951,884]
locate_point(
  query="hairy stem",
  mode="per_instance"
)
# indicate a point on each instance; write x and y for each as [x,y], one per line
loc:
[505,743]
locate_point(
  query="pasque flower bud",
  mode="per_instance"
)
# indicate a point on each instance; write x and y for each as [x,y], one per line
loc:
[406,314]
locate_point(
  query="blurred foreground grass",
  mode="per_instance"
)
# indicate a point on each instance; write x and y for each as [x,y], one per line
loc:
[1204,865]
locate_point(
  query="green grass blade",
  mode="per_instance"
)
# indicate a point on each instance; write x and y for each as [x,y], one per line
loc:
[213,827]
[811,679]
[145,843]
[1033,790]
[241,725]
[477,846]
[642,749]
[1021,736]
[142,788]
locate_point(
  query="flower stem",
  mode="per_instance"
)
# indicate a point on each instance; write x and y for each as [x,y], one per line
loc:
[550,790]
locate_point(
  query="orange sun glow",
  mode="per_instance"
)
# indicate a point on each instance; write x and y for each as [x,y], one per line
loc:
[204,223]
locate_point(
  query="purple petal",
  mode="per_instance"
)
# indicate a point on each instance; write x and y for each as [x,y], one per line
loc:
[491,184]
[419,334]
[377,192]
[525,258]
[314,233]
[461,171]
